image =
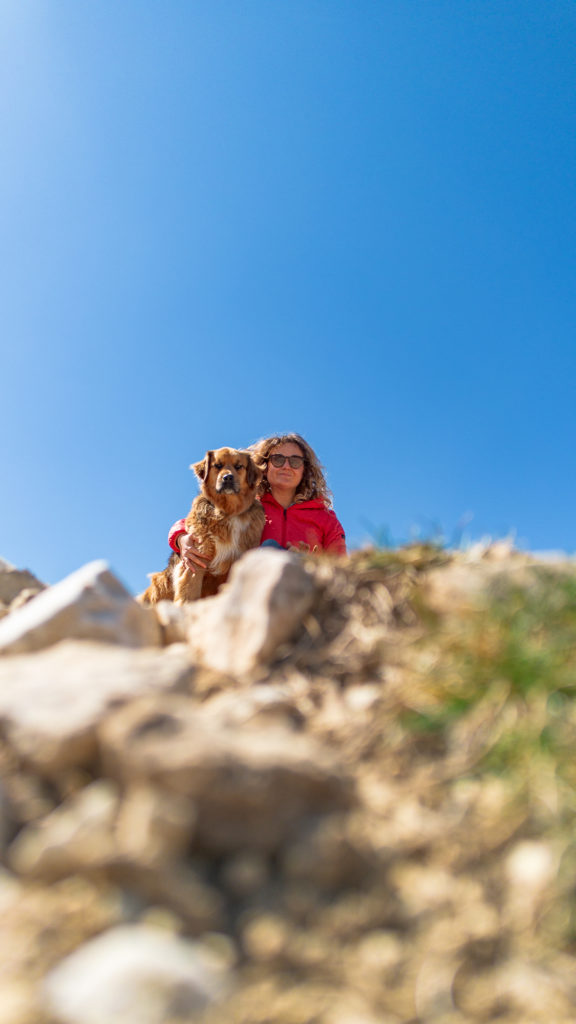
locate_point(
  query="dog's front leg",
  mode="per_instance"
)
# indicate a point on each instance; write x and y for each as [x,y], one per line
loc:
[187,584]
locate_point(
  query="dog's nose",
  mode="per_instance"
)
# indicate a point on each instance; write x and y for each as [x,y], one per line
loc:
[227,478]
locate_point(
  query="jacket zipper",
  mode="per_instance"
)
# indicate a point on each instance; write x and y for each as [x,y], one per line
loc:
[284,527]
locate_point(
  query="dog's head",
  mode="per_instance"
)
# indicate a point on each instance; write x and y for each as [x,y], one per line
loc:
[227,471]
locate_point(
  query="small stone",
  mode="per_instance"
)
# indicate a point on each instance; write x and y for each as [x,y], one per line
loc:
[379,951]
[153,825]
[135,974]
[39,925]
[363,697]
[245,874]
[78,835]
[265,937]
[181,888]
[258,704]
[531,865]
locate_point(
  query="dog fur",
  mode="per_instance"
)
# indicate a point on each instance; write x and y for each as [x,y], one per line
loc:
[225,519]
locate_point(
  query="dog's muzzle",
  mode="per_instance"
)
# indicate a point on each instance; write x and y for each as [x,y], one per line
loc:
[227,484]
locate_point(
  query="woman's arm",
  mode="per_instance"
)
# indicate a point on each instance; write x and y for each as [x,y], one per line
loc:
[175,533]
[334,536]
[184,545]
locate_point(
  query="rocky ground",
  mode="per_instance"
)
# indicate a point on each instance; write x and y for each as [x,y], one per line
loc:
[336,793]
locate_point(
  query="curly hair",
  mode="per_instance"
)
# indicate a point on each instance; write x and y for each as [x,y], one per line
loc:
[313,483]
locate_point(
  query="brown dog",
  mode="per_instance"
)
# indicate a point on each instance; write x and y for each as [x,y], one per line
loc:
[225,520]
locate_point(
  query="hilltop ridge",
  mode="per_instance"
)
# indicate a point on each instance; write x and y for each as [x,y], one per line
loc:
[340,792]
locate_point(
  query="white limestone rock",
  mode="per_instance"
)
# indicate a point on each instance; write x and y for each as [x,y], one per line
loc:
[51,702]
[96,829]
[90,604]
[261,607]
[76,836]
[172,620]
[136,974]
[251,784]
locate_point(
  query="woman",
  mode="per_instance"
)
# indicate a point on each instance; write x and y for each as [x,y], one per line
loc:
[295,498]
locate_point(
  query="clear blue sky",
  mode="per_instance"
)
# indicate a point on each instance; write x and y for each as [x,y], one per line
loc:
[350,218]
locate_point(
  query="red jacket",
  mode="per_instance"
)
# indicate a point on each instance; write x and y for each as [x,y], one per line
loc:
[309,522]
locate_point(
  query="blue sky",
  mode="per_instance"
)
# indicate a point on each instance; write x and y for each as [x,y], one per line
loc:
[221,220]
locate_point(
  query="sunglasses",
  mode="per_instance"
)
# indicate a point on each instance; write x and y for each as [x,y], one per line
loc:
[294,461]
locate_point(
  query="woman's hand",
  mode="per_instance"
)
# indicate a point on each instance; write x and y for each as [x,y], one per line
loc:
[191,555]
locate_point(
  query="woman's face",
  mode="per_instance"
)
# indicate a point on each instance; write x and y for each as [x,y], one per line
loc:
[284,476]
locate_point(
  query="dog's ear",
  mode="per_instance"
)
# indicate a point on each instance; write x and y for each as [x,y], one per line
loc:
[253,473]
[202,468]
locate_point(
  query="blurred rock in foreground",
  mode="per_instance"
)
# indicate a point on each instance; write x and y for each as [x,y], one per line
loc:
[339,792]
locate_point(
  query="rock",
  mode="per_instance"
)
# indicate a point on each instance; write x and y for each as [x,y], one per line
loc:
[7,820]
[265,937]
[28,796]
[456,586]
[91,604]
[261,607]
[39,925]
[13,581]
[263,704]
[531,866]
[78,835]
[136,975]
[23,598]
[468,585]
[363,697]
[134,841]
[177,886]
[154,826]
[172,620]
[245,873]
[251,786]
[52,701]
[329,856]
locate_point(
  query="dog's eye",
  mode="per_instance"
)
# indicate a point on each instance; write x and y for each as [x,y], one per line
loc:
[217,465]
[238,467]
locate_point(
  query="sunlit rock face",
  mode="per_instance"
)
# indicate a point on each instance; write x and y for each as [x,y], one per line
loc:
[90,604]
